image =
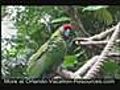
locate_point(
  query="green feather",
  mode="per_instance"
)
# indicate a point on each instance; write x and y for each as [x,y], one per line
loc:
[48,57]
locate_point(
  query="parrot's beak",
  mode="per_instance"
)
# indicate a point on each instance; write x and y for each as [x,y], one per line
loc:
[67,33]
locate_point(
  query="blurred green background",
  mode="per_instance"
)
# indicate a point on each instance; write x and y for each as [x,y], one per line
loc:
[35,24]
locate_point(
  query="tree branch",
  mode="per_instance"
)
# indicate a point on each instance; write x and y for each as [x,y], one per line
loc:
[102,34]
[66,74]
[96,67]
[73,13]
[84,69]
[112,54]
[89,42]
[78,19]
[97,36]
[92,66]
[86,66]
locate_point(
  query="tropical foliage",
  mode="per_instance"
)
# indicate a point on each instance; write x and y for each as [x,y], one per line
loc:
[35,24]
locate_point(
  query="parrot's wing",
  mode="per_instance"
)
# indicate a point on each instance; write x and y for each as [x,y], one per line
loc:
[47,56]
[43,48]
[38,54]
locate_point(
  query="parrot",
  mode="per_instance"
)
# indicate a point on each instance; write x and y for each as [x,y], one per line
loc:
[51,54]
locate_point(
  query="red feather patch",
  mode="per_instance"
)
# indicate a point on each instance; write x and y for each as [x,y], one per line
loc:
[67,26]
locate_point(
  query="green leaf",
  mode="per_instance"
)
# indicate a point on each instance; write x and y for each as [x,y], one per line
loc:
[69,61]
[107,16]
[12,52]
[59,20]
[104,16]
[93,8]
[110,67]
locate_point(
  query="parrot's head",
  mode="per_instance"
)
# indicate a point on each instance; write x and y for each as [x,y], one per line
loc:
[66,30]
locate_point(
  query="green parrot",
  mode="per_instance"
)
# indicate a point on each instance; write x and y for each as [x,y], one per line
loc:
[51,54]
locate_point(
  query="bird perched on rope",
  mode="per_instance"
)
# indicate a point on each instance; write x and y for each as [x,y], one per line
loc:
[51,54]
